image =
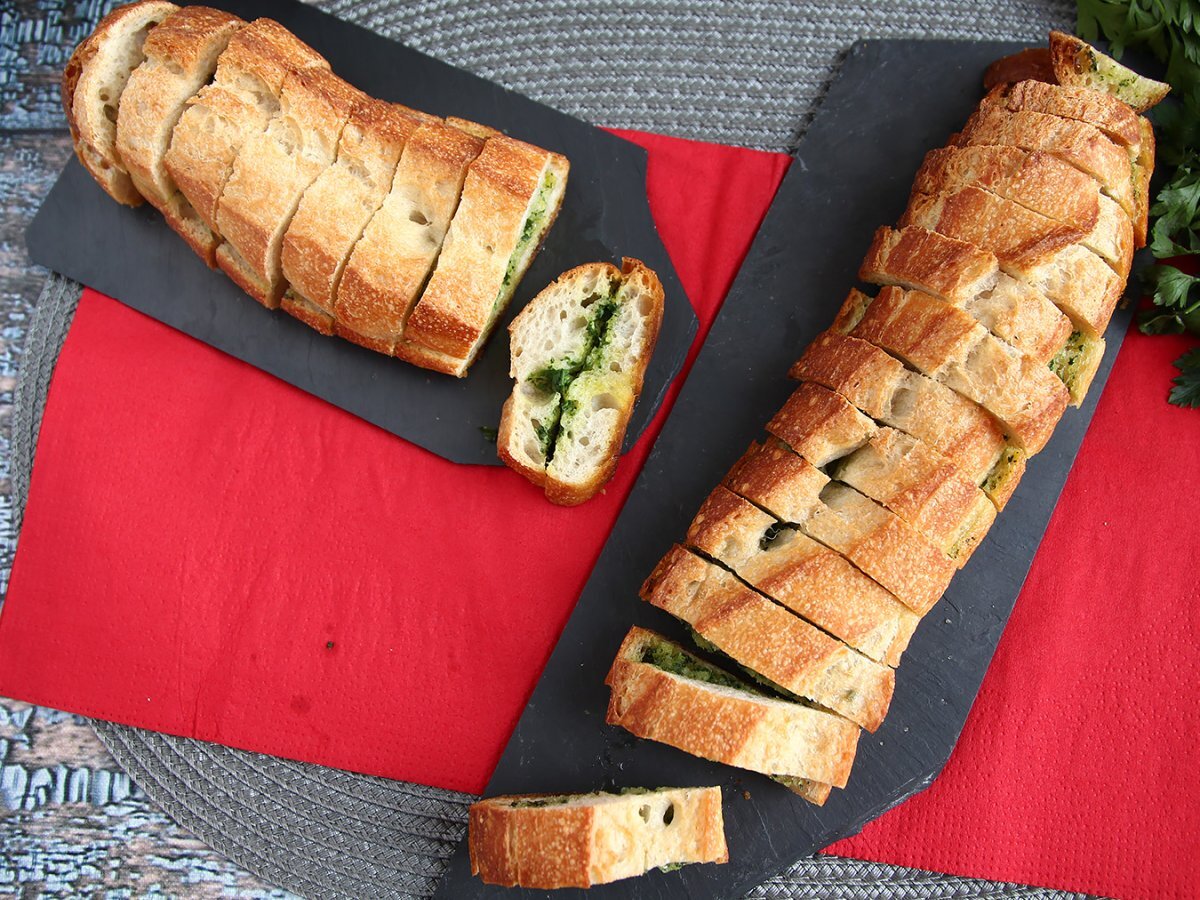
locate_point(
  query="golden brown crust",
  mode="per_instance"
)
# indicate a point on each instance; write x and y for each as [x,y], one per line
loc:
[743,729]
[770,640]
[820,425]
[773,477]
[1115,119]
[1033,63]
[1077,63]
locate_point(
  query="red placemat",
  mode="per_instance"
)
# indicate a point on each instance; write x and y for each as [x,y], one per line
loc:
[209,552]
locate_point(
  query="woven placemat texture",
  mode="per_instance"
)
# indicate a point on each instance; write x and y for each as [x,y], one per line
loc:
[747,73]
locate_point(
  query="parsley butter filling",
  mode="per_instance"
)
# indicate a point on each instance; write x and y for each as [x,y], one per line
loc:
[535,223]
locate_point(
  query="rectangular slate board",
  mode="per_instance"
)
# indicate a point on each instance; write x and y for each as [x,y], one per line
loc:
[132,255]
[891,102]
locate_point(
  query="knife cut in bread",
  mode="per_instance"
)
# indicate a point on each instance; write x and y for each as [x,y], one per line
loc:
[550,841]
[945,343]
[510,198]
[579,352]
[1115,118]
[242,98]
[336,208]
[391,262]
[769,640]
[271,173]
[968,277]
[1045,254]
[661,692]
[883,388]
[92,86]
[816,583]
[180,57]
[874,539]
[1078,64]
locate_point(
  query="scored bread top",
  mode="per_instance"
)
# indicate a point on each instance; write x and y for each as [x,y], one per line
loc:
[661,692]
[1115,119]
[808,578]
[336,208]
[391,261]
[820,425]
[768,639]
[93,83]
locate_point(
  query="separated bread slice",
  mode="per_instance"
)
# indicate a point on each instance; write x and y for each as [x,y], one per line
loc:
[1113,116]
[238,104]
[181,56]
[579,355]
[875,539]
[769,640]
[1043,253]
[391,262]
[1078,143]
[548,841]
[336,208]
[807,577]
[662,693]
[510,198]
[883,388]
[93,84]
[948,345]
[271,173]
[966,276]
[1078,64]
[913,480]
[1039,182]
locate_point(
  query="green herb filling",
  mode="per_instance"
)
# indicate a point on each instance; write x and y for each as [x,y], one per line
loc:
[532,229]
[1001,471]
[678,661]
[1067,363]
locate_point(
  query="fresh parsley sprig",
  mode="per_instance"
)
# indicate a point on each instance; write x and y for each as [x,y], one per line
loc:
[1170,29]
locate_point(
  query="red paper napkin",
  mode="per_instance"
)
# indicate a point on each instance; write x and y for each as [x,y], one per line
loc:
[210,552]
[1078,767]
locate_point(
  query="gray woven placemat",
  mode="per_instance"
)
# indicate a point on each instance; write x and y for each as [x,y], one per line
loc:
[747,73]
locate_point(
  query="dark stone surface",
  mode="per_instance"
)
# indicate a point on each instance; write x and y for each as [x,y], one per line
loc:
[131,254]
[892,101]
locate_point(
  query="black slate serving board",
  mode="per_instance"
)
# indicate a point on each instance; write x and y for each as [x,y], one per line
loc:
[131,254]
[891,102]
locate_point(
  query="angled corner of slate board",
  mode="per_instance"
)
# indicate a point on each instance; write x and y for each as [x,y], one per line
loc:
[890,103]
[132,255]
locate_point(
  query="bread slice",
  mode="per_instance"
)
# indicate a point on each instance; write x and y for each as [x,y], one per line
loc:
[510,199]
[875,539]
[663,693]
[271,173]
[1078,143]
[1041,183]
[92,86]
[1045,254]
[820,425]
[1113,116]
[181,57]
[579,355]
[391,262]
[1024,65]
[807,577]
[336,208]
[948,345]
[880,385]
[1078,64]
[547,841]
[238,104]
[968,277]
[768,640]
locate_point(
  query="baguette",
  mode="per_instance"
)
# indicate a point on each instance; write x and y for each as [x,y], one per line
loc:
[807,577]
[879,385]
[511,197]
[965,276]
[391,262]
[874,539]
[660,692]
[237,105]
[336,208]
[180,57]
[271,173]
[92,86]
[547,841]
[579,355]
[768,640]
[951,347]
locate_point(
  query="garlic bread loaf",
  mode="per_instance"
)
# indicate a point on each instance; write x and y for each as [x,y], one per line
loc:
[548,841]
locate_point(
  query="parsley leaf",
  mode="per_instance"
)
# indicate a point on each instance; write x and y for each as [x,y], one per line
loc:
[1176,213]
[1187,383]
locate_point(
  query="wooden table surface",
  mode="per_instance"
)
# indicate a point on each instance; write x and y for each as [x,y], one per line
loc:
[72,824]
